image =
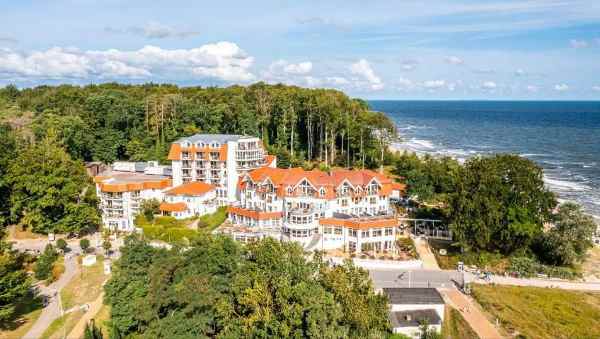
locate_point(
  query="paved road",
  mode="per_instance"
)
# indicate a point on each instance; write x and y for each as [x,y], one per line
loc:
[563,284]
[52,310]
[415,278]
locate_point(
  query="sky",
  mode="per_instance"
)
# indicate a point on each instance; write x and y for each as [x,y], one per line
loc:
[426,49]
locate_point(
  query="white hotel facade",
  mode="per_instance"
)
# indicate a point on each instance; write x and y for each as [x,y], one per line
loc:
[340,209]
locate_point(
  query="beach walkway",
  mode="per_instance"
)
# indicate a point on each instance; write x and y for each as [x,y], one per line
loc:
[471,312]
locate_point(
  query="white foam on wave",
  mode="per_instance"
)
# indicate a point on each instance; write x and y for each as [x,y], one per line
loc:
[565,185]
[533,155]
[419,144]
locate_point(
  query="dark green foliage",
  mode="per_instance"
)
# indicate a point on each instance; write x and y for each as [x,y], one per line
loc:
[149,208]
[8,152]
[45,262]
[500,204]
[61,244]
[50,192]
[92,331]
[14,281]
[567,242]
[215,288]
[84,244]
[427,178]
[111,121]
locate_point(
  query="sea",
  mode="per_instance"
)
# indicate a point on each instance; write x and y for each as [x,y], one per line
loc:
[563,137]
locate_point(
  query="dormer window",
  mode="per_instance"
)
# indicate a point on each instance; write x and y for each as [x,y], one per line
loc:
[215,145]
[289,190]
[322,191]
[185,144]
[200,144]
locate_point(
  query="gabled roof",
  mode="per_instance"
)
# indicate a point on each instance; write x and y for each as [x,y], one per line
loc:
[194,188]
[413,296]
[414,318]
[173,207]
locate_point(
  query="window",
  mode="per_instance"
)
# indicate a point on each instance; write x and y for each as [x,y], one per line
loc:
[338,231]
[322,191]
[373,200]
[289,190]
[353,233]
[389,231]
[364,234]
[327,230]
[377,233]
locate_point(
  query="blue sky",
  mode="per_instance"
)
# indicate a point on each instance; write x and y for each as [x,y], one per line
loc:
[376,49]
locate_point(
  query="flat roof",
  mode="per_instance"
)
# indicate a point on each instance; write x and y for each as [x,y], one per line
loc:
[118,177]
[208,138]
[414,318]
[413,296]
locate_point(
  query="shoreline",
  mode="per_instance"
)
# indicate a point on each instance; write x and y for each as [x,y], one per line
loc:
[398,148]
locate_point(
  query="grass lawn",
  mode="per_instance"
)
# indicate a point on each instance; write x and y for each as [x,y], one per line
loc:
[27,313]
[591,266]
[209,222]
[18,233]
[455,326]
[452,257]
[84,288]
[542,313]
[102,319]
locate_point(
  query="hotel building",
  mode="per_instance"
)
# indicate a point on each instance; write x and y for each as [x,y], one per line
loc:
[217,159]
[122,188]
[342,209]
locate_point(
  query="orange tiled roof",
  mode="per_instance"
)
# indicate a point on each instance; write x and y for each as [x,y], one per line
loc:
[176,149]
[173,207]
[396,186]
[359,223]
[269,159]
[194,188]
[132,186]
[284,178]
[254,214]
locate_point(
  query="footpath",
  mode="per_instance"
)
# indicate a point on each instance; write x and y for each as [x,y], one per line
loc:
[470,310]
[53,310]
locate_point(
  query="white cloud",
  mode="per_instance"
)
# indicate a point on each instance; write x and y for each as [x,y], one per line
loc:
[363,69]
[404,84]
[489,85]
[434,84]
[223,61]
[337,81]
[153,30]
[578,43]
[454,60]
[561,87]
[532,88]
[300,68]
[596,88]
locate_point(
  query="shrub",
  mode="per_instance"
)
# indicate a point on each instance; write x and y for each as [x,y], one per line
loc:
[529,267]
[61,244]
[43,266]
[84,244]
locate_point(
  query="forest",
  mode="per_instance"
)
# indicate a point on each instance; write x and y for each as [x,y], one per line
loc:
[111,121]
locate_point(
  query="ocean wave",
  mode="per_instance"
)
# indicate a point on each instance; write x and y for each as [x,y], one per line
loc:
[419,144]
[565,185]
[411,127]
[533,155]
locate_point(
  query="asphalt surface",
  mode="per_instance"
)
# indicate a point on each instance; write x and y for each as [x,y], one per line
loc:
[415,278]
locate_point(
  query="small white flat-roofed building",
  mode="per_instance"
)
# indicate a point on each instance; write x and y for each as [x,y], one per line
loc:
[217,159]
[411,307]
[121,193]
[188,200]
